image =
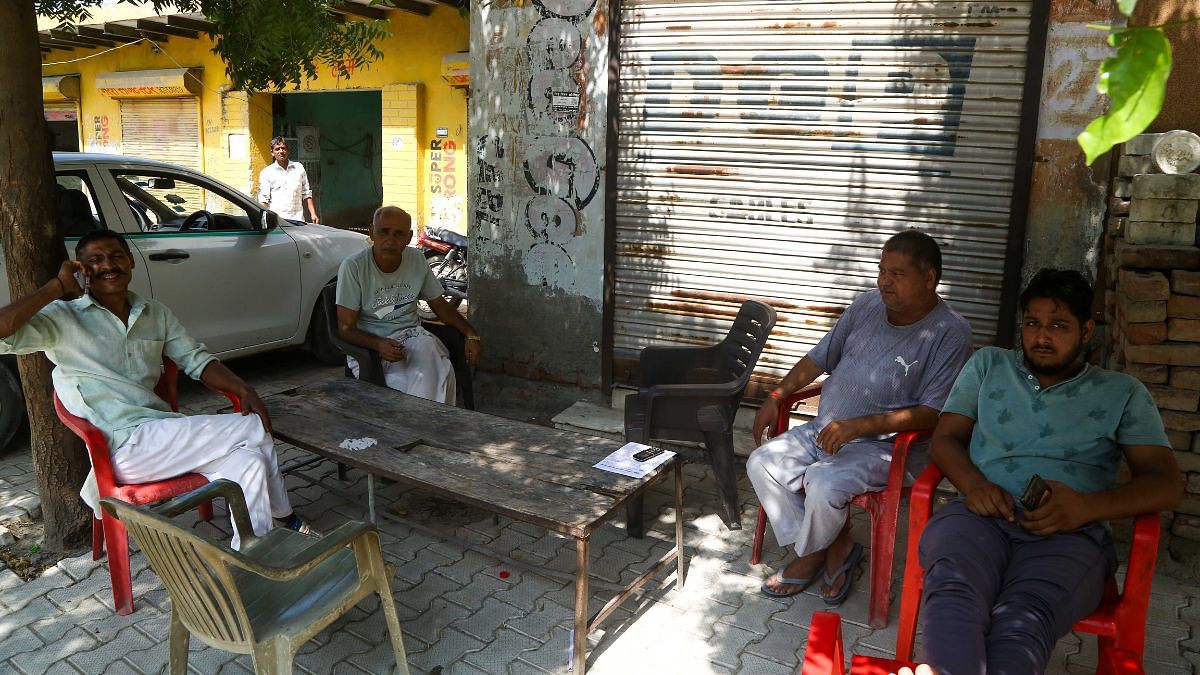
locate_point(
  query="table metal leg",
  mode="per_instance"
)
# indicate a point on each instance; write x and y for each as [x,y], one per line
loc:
[679,520]
[580,634]
[371,498]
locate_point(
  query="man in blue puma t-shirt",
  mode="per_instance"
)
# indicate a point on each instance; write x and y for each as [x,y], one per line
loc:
[891,359]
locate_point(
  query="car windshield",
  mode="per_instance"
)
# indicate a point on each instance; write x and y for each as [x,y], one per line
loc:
[174,202]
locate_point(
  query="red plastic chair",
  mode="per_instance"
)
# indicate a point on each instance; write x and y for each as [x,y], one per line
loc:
[111,530]
[1119,622]
[883,507]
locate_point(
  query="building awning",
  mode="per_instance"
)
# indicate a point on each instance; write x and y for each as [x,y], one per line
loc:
[60,88]
[150,83]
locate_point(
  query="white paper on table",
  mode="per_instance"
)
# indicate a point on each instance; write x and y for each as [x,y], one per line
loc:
[358,443]
[621,461]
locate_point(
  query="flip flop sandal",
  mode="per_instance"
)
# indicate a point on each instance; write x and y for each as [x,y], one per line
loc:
[799,584]
[847,569]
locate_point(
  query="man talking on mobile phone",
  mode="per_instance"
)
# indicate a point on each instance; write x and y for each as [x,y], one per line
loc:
[108,344]
[1003,582]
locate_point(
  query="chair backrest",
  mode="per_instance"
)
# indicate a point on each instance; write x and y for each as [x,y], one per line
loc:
[746,339]
[329,302]
[197,574]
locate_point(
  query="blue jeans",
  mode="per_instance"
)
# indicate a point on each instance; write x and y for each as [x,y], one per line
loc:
[997,597]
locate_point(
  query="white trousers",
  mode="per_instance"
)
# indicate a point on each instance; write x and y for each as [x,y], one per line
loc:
[806,492]
[426,370]
[232,446]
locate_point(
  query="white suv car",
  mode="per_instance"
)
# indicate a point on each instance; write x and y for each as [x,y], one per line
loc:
[241,279]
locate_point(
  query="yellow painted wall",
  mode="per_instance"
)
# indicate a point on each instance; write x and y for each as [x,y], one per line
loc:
[411,65]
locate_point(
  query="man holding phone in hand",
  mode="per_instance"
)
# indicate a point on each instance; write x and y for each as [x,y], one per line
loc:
[1004,582]
[108,344]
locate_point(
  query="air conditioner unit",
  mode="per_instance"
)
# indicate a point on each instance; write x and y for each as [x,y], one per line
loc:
[308,143]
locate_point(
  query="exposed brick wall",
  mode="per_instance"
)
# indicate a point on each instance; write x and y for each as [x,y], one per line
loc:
[1153,307]
[401,147]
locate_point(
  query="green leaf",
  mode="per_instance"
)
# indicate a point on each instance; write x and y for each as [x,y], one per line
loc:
[1135,80]
[1126,6]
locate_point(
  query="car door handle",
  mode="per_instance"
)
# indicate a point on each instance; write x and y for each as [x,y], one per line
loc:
[171,254]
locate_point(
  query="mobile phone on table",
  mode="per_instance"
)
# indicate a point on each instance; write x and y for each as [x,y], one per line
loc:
[643,455]
[1035,490]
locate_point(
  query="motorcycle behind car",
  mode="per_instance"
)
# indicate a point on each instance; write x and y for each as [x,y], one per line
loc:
[446,253]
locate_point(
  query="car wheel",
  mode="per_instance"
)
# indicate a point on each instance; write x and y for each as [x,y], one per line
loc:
[320,342]
[12,405]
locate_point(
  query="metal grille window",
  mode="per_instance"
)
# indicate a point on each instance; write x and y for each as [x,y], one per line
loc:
[768,149]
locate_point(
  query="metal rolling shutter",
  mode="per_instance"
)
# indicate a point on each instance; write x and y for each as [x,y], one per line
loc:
[768,149]
[165,129]
[60,111]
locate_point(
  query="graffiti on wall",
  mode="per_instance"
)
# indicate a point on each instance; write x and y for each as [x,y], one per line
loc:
[559,166]
[489,197]
[445,208]
[937,69]
[101,141]
[554,169]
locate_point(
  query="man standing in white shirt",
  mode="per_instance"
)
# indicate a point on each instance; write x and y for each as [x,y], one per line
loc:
[282,185]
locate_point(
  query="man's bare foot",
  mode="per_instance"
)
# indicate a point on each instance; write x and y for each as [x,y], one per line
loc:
[803,569]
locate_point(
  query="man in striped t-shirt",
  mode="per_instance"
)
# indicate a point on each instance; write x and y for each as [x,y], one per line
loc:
[891,359]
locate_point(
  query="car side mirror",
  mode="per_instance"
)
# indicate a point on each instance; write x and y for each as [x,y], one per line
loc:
[162,183]
[269,220]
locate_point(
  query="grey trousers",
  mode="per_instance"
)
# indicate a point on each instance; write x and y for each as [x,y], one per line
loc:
[997,598]
[806,492]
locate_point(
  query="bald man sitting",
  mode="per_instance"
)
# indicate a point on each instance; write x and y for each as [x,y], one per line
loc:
[377,294]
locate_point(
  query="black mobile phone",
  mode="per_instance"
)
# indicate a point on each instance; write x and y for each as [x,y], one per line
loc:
[1035,490]
[643,455]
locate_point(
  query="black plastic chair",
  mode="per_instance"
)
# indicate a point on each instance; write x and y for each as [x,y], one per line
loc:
[371,365]
[692,394]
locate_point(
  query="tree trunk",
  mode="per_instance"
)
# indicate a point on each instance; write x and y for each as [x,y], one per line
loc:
[33,252]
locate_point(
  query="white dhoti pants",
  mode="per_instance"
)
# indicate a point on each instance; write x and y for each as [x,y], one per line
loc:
[426,370]
[232,446]
[806,492]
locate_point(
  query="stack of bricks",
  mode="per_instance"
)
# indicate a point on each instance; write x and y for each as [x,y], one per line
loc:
[1153,308]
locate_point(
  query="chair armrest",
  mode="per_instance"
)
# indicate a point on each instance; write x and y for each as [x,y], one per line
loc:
[901,446]
[1114,661]
[233,398]
[696,396]
[308,557]
[789,403]
[1134,606]
[223,487]
[1143,554]
[669,365]
[823,654]
[922,491]
[920,505]
[370,364]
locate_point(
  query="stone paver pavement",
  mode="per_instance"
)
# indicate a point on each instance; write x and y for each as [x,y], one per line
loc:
[467,611]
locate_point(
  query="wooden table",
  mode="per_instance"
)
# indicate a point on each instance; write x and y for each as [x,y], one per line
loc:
[530,473]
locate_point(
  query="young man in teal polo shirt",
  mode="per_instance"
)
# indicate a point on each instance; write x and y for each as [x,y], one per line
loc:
[108,345]
[1003,584]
